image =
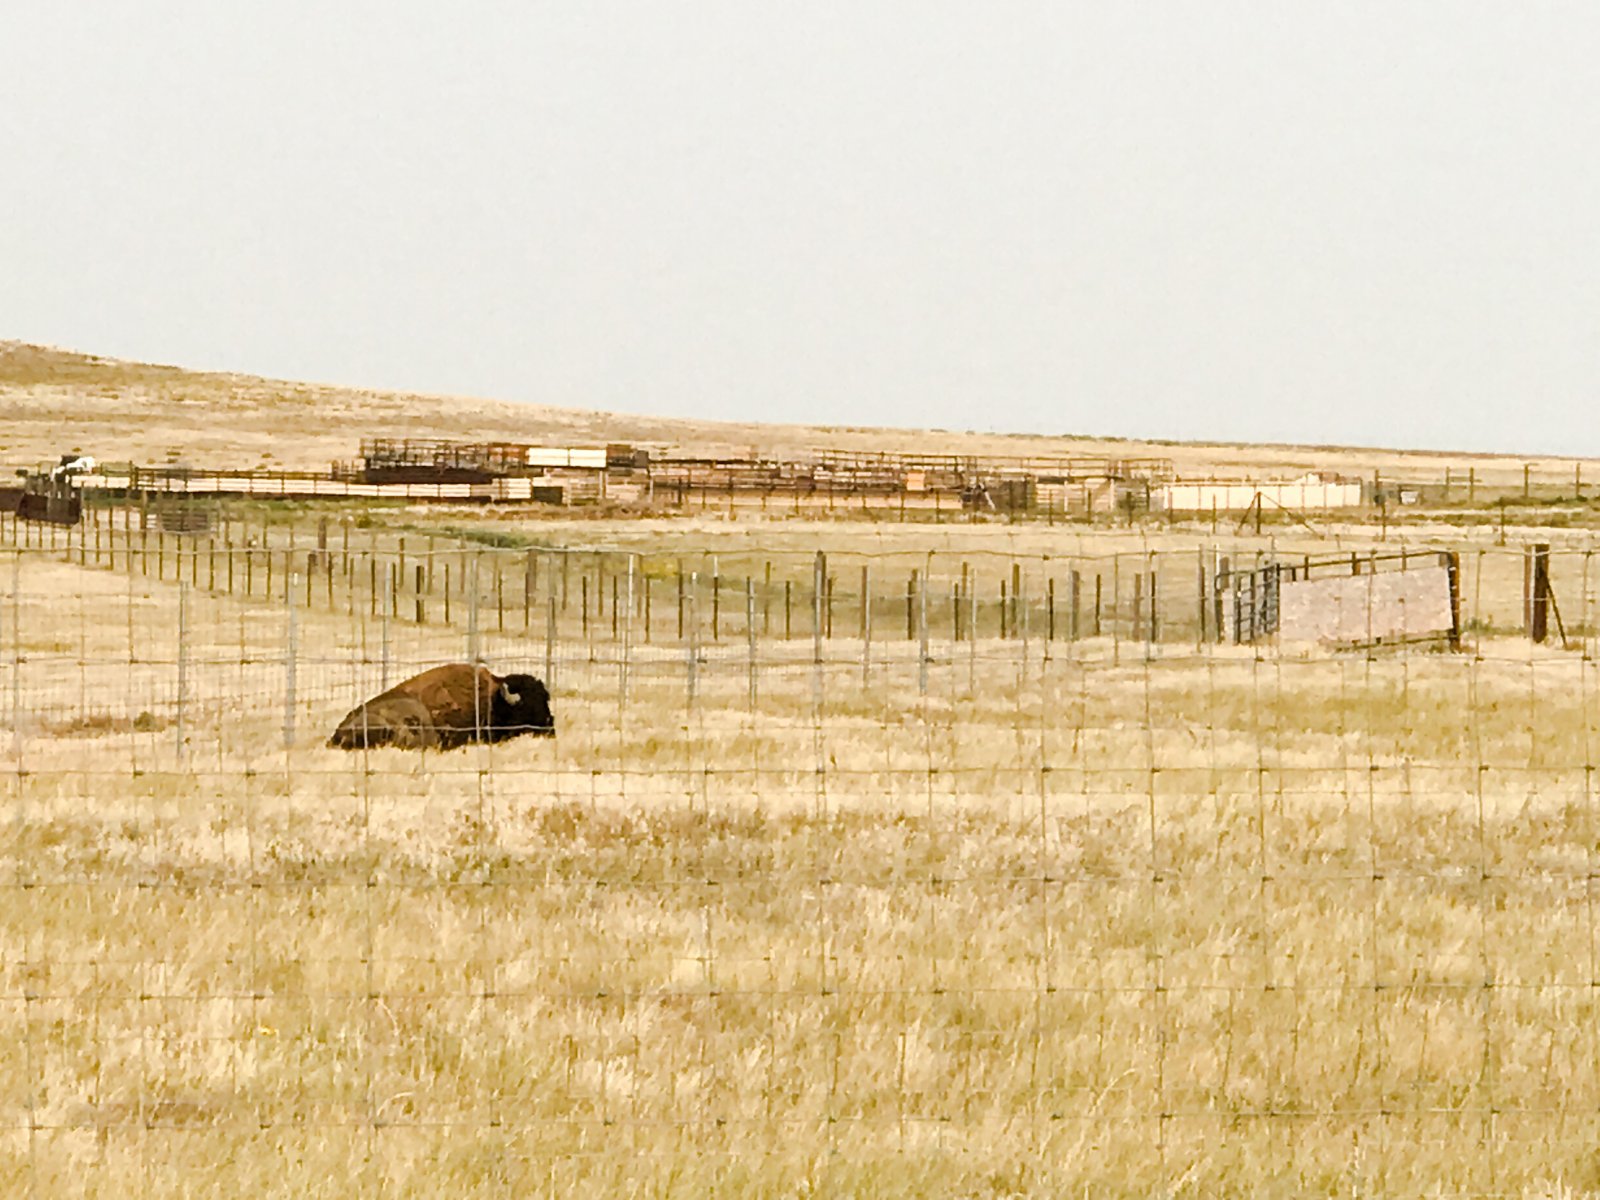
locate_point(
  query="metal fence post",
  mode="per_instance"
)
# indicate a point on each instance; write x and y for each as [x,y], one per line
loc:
[627,633]
[750,634]
[691,646]
[388,604]
[866,627]
[550,640]
[819,578]
[1019,597]
[972,634]
[922,630]
[291,653]
[16,651]
[1155,604]
[183,665]
[474,645]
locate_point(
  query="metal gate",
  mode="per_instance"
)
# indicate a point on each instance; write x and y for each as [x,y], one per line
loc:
[1249,603]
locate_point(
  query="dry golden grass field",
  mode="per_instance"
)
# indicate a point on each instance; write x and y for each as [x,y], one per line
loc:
[1090,914]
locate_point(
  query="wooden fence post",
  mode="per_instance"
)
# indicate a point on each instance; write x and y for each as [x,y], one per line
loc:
[1221,583]
[922,632]
[866,603]
[819,578]
[1536,570]
[1016,598]
[1155,617]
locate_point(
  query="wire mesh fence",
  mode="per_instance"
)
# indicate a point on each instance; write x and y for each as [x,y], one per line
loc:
[861,875]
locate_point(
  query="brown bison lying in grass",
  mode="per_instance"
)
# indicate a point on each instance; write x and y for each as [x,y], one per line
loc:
[446,707]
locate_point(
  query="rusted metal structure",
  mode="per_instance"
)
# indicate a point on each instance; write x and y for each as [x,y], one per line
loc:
[184,517]
[439,460]
[437,469]
[976,484]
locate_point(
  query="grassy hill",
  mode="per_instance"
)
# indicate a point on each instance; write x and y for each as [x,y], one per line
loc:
[53,401]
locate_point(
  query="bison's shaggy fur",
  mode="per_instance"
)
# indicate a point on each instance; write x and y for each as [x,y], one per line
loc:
[446,707]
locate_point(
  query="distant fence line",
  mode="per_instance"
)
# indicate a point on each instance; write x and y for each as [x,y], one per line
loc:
[1159,599]
[869,486]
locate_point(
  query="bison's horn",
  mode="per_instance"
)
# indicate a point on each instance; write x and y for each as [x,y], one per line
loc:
[511,697]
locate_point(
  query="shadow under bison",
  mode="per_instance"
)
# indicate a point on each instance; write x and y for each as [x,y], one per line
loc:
[446,707]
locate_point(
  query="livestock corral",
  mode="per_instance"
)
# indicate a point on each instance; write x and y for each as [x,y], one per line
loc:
[863,862]
[625,479]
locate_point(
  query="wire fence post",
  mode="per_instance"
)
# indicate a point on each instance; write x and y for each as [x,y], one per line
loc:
[474,644]
[183,668]
[922,631]
[1138,634]
[691,648]
[550,640]
[625,661]
[819,583]
[1586,641]
[5,621]
[972,634]
[16,650]
[1049,612]
[383,627]
[750,635]
[866,627]
[291,653]
[1020,598]
[1152,626]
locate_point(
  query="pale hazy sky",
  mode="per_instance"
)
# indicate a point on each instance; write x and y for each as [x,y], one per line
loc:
[1371,223]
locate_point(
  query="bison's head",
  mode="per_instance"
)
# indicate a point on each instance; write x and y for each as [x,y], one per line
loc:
[521,705]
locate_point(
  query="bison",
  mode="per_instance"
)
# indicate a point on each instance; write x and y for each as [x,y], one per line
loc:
[447,707]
